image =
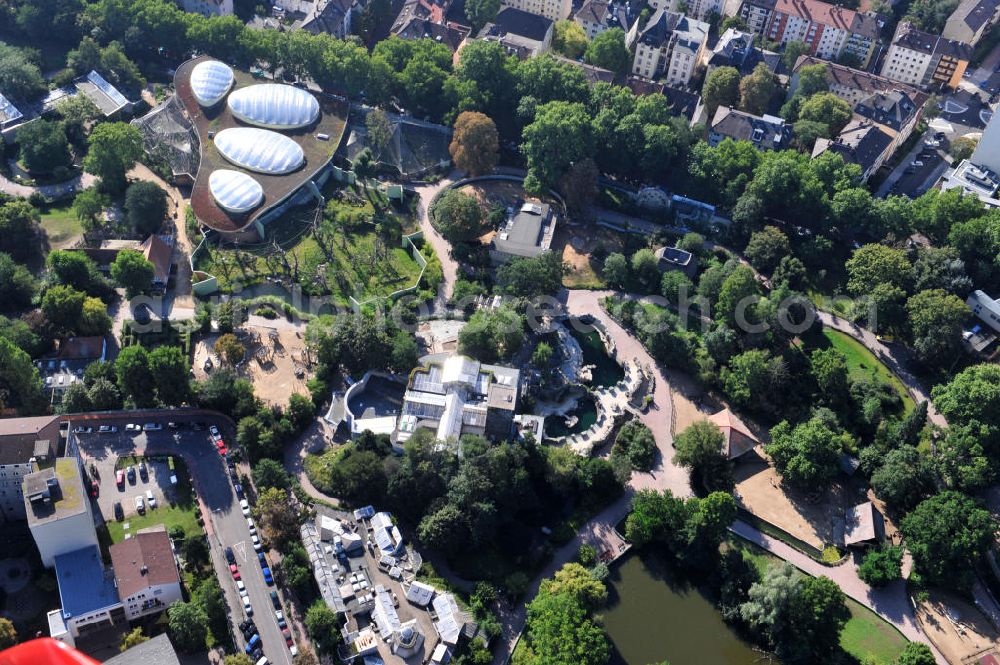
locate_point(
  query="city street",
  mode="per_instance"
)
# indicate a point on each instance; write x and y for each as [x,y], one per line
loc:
[225,524]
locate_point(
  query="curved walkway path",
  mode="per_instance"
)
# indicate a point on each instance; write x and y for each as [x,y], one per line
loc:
[449,266]
[57,191]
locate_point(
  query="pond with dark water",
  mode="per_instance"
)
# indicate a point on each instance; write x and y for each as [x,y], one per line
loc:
[654,615]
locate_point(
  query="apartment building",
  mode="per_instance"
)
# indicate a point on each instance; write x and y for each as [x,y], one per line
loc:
[208,7]
[766,132]
[757,14]
[860,142]
[828,30]
[596,16]
[971,20]
[922,59]
[146,574]
[554,10]
[332,17]
[671,44]
[23,442]
[58,509]
[735,48]
[521,33]
[701,10]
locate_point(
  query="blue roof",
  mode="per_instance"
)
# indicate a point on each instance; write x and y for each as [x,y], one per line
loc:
[83,585]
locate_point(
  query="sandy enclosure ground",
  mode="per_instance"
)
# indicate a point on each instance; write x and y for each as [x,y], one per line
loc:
[271,364]
[959,630]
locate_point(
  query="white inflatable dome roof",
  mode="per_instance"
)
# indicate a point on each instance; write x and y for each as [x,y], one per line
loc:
[274,105]
[235,191]
[210,81]
[259,150]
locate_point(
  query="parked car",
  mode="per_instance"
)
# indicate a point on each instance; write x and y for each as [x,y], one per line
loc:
[83,429]
[152,427]
[235,571]
[242,588]
[230,557]
[262,559]
[247,607]
[107,429]
[143,471]
[245,507]
[287,634]
[175,425]
[95,488]
[268,578]
[251,525]
[150,499]
[119,511]
[256,542]
[130,472]
[916,163]
[214,431]
[275,600]
[140,506]
[239,490]
[252,644]
[120,479]
[133,427]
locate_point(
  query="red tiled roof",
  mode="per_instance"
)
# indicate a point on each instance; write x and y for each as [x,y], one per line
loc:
[739,438]
[158,253]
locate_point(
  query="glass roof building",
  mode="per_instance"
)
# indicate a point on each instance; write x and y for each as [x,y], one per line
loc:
[235,191]
[259,150]
[274,106]
[210,81]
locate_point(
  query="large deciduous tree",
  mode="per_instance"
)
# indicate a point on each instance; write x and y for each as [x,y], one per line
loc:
[560,136]
[145,207]
[947,534]
[475,145]
[721,88]
[807,454]
[114,148]
[608,50]
[457,216]
[133,272]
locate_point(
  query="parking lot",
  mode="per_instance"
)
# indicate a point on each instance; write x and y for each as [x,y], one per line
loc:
[225,523]
[921,168]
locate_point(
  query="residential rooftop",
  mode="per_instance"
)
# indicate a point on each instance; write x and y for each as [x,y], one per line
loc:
[55,493]
[144,560]
[84,585]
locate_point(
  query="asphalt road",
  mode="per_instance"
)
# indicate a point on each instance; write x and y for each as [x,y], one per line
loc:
[226,525]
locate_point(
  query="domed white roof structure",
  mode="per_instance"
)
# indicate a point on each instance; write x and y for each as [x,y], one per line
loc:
[259,150]
[210,81]
[274,105]
[235,191]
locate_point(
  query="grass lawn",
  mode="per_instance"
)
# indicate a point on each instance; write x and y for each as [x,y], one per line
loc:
[862,362]
[182,512]
[867,635]
[61,226]
[354,263]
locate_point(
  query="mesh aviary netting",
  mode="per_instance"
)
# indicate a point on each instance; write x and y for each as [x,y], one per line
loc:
[413,149]
[167,134]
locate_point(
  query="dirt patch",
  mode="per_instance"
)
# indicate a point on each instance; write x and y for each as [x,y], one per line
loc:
[276,361]
[815,520]
[577,244]
[957,629]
